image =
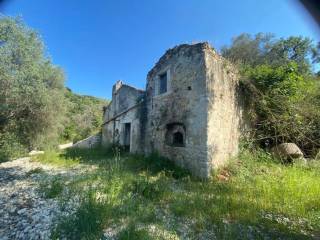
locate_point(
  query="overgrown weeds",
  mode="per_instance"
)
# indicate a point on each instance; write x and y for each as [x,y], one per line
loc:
[37,170]
[130,194]
[88,220]
[57,159]
[52,188]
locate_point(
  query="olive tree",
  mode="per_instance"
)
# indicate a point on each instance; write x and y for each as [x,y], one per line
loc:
[31,91]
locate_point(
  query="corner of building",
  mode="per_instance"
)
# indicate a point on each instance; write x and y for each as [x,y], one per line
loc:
[223,109]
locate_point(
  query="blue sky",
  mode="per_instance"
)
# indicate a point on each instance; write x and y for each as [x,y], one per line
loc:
[99,42]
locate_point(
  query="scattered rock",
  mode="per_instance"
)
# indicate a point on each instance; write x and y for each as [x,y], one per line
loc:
[222,177]
[287,151]
[35,152]
[24,214]
[22,211]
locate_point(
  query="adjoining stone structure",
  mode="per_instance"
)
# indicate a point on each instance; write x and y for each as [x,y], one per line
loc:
[190,110]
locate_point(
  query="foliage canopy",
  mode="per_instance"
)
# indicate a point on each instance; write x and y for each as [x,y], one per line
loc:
[281,89]
[36,110]
[31,92]
[84,116]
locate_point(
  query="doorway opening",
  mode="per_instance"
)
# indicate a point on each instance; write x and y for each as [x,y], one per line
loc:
[127,136]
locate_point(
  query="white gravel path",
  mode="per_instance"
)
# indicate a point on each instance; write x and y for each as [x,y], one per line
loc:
[24,212]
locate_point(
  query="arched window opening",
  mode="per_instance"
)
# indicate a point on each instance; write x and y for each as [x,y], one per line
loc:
[175,135]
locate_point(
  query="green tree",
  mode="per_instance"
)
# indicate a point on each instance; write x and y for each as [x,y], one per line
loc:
[285,104]
[31,91]
[281,90]
[248,50]
[84,116]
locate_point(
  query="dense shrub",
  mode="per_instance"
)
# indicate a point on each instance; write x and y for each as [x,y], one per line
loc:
[282,93]
[285,106]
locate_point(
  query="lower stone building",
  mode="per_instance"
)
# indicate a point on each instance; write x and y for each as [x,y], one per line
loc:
[189,112]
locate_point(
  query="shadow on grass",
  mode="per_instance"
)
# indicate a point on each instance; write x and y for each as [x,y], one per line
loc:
[105,157]
[152,190]
[96,155]
[198,212]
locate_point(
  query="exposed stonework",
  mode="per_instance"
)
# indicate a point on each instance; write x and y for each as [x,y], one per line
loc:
[88,142]
[123,109]
[189,112]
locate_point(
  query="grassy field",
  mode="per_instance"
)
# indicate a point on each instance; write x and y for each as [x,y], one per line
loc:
[135,197]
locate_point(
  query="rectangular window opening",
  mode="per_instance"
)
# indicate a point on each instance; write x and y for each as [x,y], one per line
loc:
[163,83]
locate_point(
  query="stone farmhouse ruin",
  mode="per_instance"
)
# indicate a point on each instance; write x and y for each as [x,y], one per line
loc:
[189,111]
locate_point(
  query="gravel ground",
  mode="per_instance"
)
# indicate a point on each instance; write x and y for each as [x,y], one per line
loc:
[24,212]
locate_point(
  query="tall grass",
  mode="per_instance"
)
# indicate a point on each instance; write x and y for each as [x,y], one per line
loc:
[57,159]
[261,199]
[52,188]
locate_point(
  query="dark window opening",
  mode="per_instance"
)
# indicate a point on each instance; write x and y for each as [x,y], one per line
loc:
[177,139]
[163,83]
[189,88]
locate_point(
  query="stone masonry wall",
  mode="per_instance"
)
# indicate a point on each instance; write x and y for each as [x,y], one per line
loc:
[184,103]
[122,109]
[224,111]
[89,142]
[118,127]
[195,123]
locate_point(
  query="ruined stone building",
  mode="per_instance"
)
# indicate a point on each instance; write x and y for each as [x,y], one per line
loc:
[189,111]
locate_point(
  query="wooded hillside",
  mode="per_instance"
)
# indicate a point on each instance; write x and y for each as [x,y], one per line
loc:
[36,110]
[83,117]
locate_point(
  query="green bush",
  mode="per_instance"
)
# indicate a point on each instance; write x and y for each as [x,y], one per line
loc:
[37,170]
[132,233]
[144,188]
[32,92]
[285,106]
[282,92]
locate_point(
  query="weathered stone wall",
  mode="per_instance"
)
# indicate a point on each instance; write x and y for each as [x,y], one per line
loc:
[184,104]
[108,134]
[114,130]
[224,109]
[89,142]
[123,97]
[124,108]
[195,122]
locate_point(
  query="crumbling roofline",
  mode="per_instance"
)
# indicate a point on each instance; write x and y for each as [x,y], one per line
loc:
[118,115]
[134,88]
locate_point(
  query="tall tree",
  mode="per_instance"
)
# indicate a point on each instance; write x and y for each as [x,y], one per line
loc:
[280,87]
[31,90]
[248,50]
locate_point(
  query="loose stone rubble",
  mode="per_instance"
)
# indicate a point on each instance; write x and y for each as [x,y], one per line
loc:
[24,212]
